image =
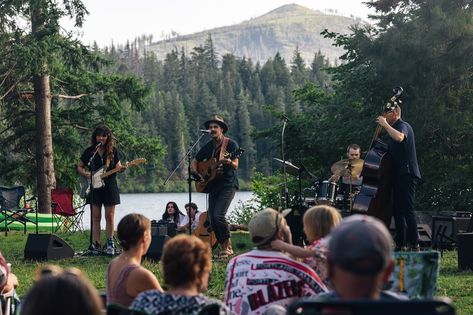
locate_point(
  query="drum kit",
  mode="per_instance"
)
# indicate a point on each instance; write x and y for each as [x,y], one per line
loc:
[329,192]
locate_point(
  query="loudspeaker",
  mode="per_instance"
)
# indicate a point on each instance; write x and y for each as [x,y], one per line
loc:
[47,246]
[155,250]
[465,250]
[445,229]
[425,235]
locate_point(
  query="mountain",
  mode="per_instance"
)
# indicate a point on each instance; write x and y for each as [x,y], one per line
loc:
[282,29]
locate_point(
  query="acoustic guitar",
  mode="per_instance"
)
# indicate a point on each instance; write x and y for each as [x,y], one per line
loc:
[204,231]
[209,169]
[100,175]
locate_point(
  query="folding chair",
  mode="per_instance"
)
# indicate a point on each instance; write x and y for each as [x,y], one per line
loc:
[312,306]
[14,206]
[63,212]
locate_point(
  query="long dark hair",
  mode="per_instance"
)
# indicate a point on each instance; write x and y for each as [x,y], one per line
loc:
[103,130]
[176,214]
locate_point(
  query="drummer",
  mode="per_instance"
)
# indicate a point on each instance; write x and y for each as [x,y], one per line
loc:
[355,180]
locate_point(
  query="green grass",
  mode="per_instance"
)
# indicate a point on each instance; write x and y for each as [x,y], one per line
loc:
[452,283]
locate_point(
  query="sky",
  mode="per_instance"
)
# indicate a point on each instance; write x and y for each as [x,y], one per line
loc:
[122,20]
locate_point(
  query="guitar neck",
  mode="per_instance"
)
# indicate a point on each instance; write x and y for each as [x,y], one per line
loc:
[107,174]
[128,164]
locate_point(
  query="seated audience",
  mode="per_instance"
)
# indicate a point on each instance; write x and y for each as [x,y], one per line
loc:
[360,259]
[173,214]
[125,276]
[186,265]
[68,292]
[8,280]
[318,222]
[195,215]
[265,279]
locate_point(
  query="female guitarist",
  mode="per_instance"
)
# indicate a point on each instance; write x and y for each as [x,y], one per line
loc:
[104,154]
[222,188]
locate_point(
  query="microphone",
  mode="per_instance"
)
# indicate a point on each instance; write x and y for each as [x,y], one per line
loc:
[204,131]
[99,144]
[285,117]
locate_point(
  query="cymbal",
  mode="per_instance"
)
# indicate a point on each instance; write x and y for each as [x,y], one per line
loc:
[343,167]
[290,168]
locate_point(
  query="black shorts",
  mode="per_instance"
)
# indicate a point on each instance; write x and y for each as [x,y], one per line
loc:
[107,195]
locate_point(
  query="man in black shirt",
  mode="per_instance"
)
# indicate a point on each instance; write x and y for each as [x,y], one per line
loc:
[405,175]
[222,188]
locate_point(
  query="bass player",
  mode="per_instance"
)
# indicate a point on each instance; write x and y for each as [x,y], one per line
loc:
[222,188]
[103,145]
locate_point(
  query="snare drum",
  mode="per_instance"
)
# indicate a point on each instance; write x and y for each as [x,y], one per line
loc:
[326,193]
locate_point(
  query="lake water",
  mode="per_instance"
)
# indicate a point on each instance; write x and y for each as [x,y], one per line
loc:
[152,204]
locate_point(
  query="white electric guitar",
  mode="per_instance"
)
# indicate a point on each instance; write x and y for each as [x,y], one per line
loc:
[100,175]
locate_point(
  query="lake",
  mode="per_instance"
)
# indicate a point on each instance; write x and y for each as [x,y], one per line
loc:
[152,204]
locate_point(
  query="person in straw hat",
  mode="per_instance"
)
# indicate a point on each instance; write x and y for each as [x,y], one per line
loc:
[222,188]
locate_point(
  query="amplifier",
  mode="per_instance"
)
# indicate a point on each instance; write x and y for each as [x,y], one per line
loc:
[445,228]
[162,228]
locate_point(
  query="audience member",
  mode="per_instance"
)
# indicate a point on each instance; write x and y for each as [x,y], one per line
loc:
[186,265]
[191,208]
[125,276]
[173,214]
[264,279]
[69,292]
[318,222]
[8,280]
[360,259]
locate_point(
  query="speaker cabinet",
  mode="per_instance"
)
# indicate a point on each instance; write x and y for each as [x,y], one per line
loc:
[446,228]
[46,247]
[155,250]
[465,251]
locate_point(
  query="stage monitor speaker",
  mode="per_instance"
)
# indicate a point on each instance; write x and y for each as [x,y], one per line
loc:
[155,249]
[465,250]
[445,229]
[46,247]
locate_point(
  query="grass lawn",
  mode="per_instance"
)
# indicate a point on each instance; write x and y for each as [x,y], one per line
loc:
[452,283]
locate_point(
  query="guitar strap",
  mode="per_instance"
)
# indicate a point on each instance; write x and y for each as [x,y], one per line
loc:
[223,148]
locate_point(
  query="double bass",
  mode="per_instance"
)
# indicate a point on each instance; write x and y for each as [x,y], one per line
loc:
[375,196]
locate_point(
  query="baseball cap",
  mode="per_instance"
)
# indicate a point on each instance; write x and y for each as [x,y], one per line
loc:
[265,224]
[361,245]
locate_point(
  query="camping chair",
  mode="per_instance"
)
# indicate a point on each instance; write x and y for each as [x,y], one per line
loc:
[306,306]
[14,206]
[63,212]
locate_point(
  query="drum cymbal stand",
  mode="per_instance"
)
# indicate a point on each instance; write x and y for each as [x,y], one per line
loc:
[350,168]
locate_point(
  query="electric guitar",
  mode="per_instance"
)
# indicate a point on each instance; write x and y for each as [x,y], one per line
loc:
[100,175]
[209,169]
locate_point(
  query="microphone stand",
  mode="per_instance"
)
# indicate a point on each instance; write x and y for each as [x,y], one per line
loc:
[90,165]
[286,193]
[189,175]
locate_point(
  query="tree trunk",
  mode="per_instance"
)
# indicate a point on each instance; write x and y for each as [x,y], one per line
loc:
[45,175]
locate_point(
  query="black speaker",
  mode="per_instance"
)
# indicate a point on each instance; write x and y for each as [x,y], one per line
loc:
[465,250]
[47,246]
[163,228]
[445,229]
[155,250]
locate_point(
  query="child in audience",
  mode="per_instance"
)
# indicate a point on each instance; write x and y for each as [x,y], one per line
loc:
[125,276]
[318,222]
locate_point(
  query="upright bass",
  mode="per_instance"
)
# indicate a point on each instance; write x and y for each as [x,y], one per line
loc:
[375,196]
